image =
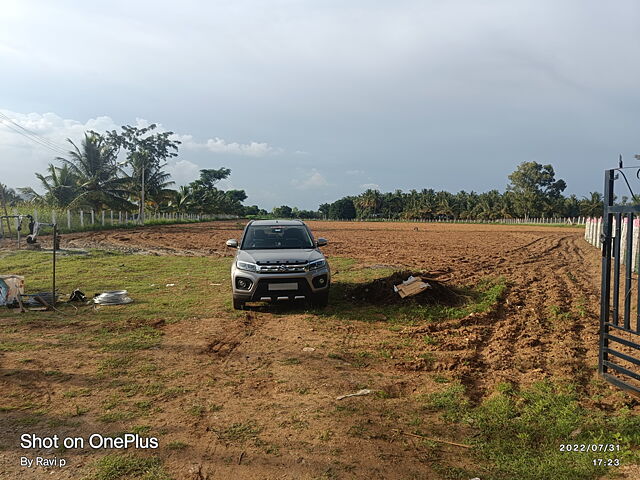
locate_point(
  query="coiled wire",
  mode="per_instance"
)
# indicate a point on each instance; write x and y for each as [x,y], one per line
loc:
[115,297]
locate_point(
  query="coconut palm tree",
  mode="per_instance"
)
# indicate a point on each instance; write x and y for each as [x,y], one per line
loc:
[60,186]
[593,205]
[100,180]
[182,200]
[156,182]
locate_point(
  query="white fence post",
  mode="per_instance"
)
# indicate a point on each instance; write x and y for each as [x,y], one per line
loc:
[634,247]
[586,230]
[81,218]
[623,241]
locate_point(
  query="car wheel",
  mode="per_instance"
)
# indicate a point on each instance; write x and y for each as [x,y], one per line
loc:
[320,300]
[238,304]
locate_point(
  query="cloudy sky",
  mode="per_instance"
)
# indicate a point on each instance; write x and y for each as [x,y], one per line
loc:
[307,101]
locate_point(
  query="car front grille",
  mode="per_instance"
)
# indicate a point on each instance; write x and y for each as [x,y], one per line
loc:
[296,268]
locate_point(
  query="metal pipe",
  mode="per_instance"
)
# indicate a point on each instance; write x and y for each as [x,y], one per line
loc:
[55,245]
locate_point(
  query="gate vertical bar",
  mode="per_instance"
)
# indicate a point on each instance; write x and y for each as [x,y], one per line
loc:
[606,270]
[616,269]
[628,269]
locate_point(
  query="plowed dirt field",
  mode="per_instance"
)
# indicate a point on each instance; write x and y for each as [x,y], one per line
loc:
[548,269]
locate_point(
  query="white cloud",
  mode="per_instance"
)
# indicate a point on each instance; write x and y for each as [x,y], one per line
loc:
[220,145]
[372,186]
[314,179]
[52,132]
[253,149]
[183,171]
[354,172]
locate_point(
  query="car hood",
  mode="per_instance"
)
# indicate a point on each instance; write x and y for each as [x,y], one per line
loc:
[278,257]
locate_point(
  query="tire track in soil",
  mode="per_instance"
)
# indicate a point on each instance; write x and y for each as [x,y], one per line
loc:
[518,342]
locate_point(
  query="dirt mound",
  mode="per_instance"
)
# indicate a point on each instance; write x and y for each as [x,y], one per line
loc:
[381,292]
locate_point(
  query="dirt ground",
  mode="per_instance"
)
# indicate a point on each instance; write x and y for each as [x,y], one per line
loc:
[546,268]
[258,367]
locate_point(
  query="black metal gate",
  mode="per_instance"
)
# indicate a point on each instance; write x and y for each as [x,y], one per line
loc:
[619,359]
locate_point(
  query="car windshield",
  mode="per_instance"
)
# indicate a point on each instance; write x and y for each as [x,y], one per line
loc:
[268,237]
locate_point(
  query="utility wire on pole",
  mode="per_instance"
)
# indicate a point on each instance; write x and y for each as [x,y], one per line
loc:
[33,136]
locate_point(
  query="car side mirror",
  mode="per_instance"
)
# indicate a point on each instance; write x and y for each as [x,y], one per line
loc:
[321,242]
[233,243]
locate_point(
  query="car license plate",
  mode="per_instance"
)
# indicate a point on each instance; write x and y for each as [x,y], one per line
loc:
[283,286]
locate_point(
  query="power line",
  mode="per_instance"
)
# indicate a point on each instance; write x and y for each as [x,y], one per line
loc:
[34,137]
[31,133]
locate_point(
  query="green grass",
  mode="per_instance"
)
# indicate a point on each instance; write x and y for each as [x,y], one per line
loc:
[129,467]
[144,276]
[518,434]
[239,432]
[451,401]
[142,338]
[9,346]
[114,417]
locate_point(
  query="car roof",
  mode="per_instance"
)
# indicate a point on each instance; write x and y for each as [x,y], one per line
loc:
[277,222]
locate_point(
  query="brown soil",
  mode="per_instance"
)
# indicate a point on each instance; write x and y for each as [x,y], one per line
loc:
[252,367]
[381,292]
[547,269]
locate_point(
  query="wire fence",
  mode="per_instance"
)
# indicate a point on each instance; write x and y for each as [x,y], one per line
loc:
[507,221]
[81,220]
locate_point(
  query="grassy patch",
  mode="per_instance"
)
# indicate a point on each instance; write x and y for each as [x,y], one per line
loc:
[113,417]
[520,434]
[239,432]
[9,346]
[129,467]
[115,366]
[144,276]
[451,401]
[177,445]
[142,338]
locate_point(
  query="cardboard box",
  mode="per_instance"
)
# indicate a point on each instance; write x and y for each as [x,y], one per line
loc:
[11,286]
[410,287]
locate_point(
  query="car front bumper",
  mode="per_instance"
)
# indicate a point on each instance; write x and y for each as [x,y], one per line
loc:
[265,286]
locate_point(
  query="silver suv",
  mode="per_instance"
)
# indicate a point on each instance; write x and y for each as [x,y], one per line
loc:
[279,259]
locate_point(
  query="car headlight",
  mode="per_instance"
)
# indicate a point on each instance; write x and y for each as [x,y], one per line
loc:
[316,264]
[249,267]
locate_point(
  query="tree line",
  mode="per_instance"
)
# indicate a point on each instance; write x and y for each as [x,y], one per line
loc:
[533,192]
[118,169]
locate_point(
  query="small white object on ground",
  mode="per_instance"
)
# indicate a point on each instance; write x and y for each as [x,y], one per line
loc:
[308,349]
[359,393]
[114,297]
[171,285]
